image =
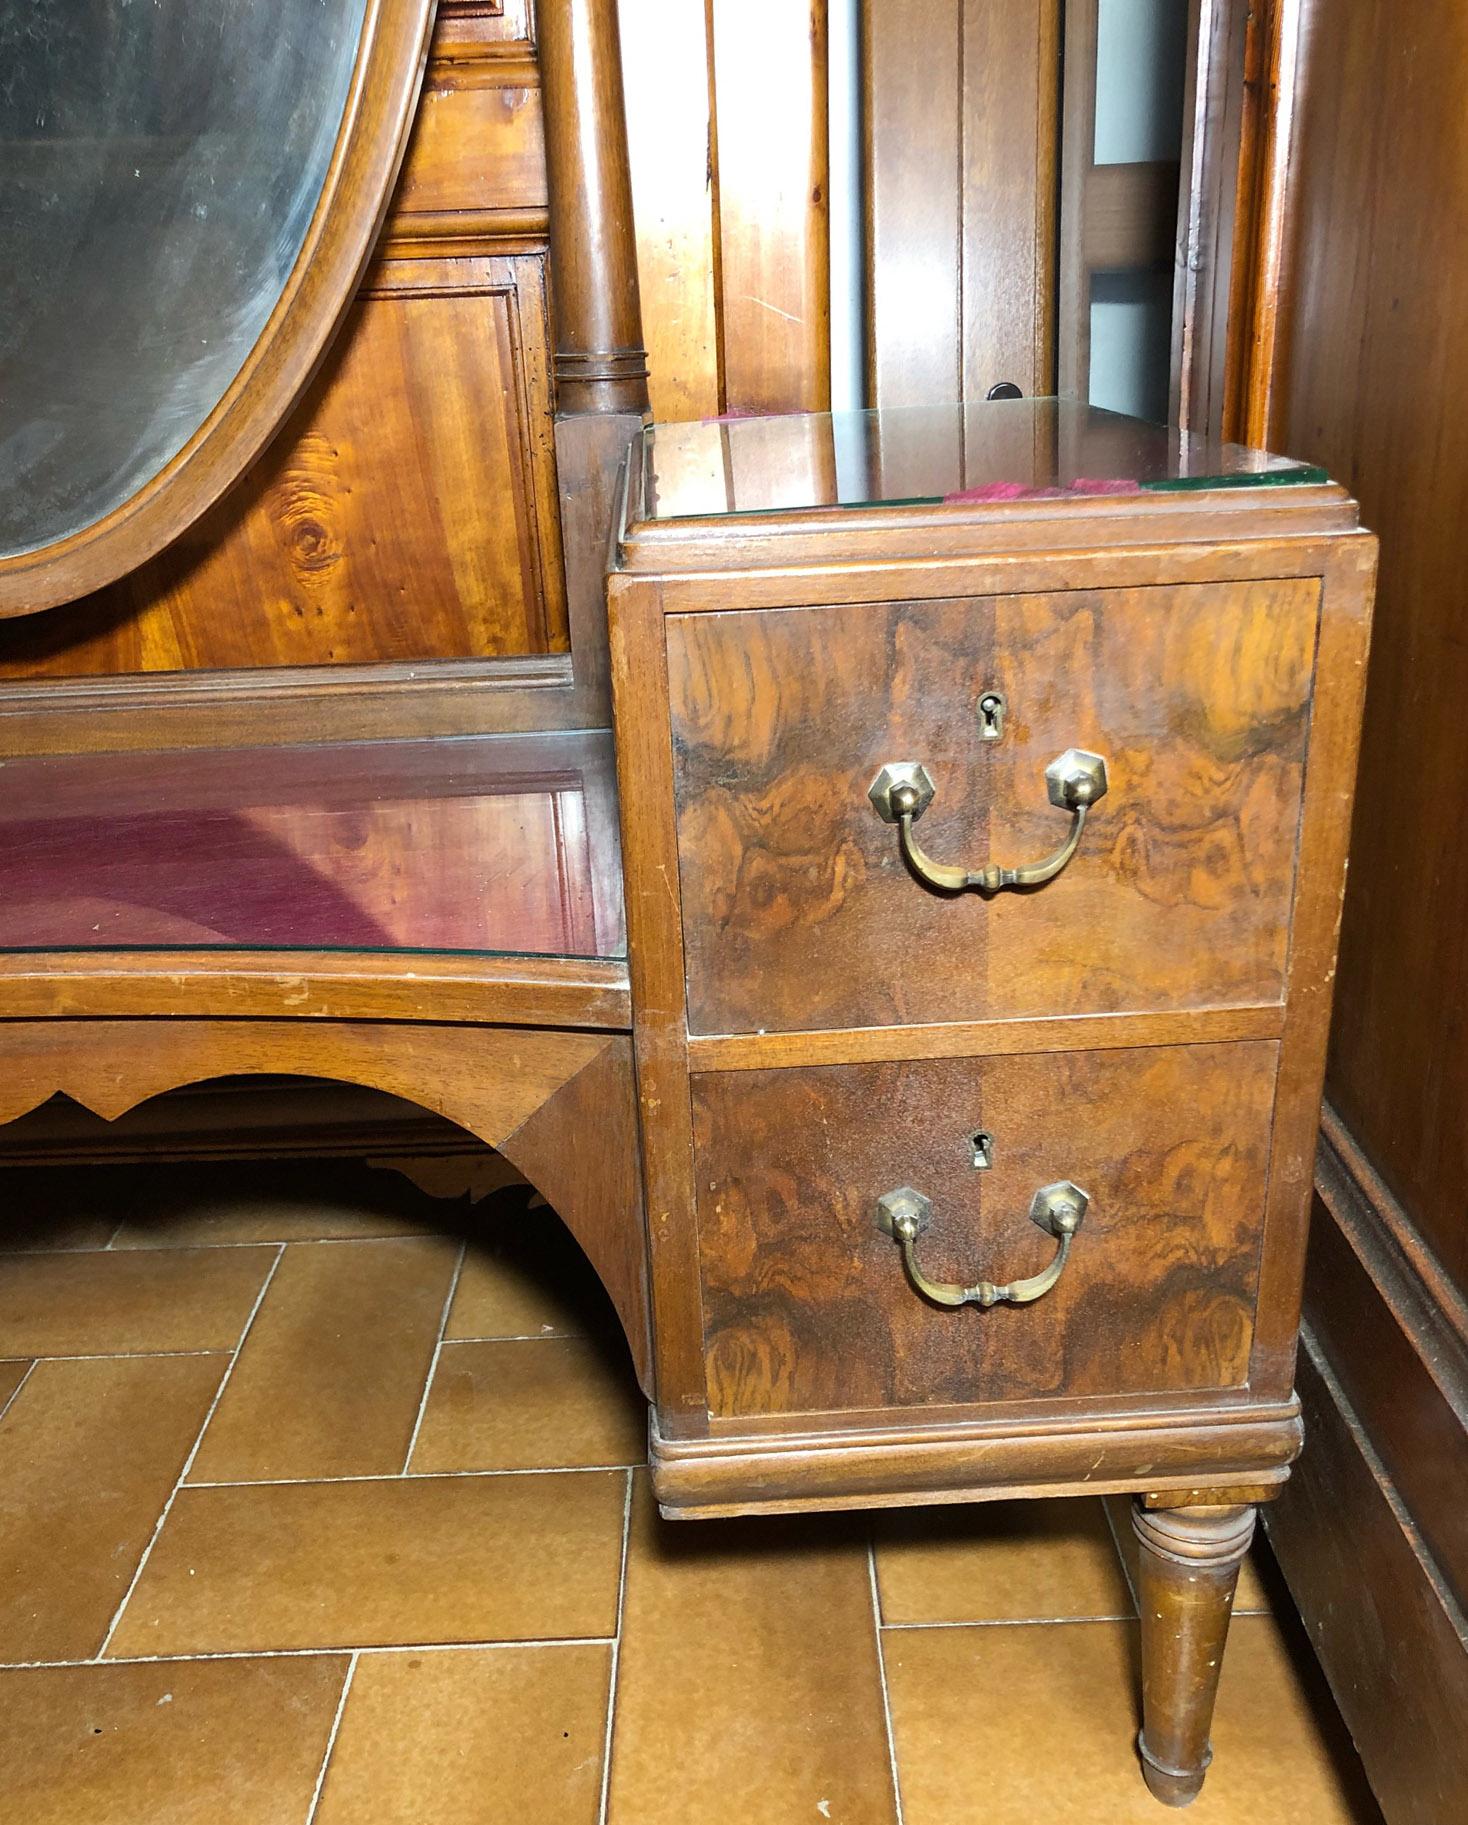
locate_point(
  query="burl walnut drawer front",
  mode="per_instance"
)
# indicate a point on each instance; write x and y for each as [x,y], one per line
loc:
[807,1304]
[799,910]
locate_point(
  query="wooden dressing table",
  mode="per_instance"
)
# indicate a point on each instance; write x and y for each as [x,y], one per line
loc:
[940,1115]
[1124,664]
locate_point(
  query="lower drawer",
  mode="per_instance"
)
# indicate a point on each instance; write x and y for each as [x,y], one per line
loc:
[807,1304]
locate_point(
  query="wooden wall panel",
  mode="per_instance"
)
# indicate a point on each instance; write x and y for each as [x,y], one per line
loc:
[408,512]
[961,128]
[1359,360]
[479,142]
[1374,369]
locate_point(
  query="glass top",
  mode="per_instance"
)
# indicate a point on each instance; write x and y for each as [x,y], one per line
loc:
[480,845]
[1000,450]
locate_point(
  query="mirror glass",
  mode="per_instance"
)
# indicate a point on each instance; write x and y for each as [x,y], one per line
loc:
[160,163]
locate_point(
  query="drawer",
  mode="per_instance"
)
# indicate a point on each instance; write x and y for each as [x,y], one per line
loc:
[807,1306]
[799,911]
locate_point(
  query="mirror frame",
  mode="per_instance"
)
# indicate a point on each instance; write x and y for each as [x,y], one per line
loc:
[381,107]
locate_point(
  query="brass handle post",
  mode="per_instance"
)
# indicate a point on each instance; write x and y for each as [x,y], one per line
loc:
[904,789]
[1058,1209]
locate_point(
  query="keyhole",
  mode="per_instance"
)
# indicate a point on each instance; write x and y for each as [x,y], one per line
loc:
[983,1151]
[991,715]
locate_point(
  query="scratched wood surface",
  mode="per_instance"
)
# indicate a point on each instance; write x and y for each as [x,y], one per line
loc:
[806,1308]
[798,910]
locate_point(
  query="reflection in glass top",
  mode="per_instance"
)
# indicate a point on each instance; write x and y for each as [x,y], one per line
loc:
[1011,449]
[160,162]
[481,844]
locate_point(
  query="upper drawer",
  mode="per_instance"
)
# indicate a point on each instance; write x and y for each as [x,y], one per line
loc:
[799,911]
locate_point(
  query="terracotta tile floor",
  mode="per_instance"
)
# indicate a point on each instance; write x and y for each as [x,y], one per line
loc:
[313,1512]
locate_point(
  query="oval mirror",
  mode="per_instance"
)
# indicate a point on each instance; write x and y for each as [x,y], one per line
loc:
[189,190]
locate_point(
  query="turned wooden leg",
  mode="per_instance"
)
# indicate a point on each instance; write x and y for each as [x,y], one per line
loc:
[1190,1564]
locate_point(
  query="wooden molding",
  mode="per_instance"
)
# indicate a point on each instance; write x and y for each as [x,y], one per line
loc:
[1390,1636]
[783,1473]
[514,991]
[1390,1324]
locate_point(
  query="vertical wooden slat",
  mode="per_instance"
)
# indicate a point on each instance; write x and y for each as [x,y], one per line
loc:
[960,114]
[667,78]
[770,167]
[1011,85]
[912,146]
[1078,158]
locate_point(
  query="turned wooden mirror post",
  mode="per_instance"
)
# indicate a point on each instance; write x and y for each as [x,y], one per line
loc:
[600,362]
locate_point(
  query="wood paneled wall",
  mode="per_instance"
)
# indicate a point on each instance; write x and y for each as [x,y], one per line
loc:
[1369,375]
[961,124]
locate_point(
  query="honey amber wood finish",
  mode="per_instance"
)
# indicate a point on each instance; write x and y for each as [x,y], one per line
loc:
[354,199]
[530,1094]
[1190,1559]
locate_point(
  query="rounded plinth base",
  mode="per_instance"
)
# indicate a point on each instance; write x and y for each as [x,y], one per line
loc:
[1172,1786]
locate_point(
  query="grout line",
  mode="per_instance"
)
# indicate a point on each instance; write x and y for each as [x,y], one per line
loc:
[193,1453]
[882,1677]
[315,1653]
[1005,1622]
[194,1248]
[551,1336]
[15,1391]
[1126,1570]
[222,1349]
[412,1476]
[443,1325]
[336,1724]
[606,1750]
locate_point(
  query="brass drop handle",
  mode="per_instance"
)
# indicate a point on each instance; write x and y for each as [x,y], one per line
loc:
[1058,1209]
[904,789]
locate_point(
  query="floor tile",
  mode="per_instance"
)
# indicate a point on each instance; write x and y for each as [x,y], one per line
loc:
[472,1736]
[533,1405]
[63,1207]
[1251,1598]
[89,1454]
[12,1374]
[1050,1714]
[999,1562]
[748,1687]
[322,1565]
[332,1375]
[224,1742]
[524,1276]
[270,1201]
[81,1305]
